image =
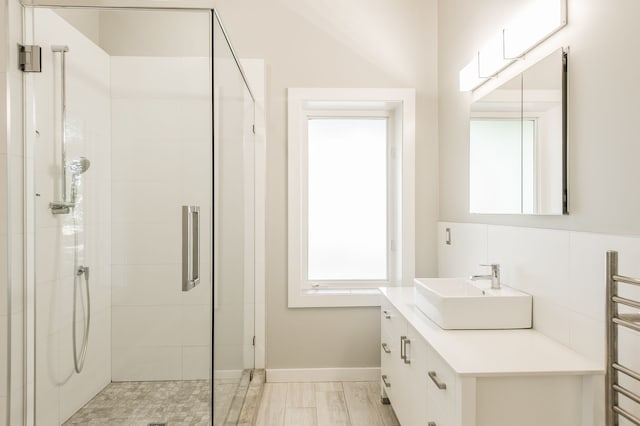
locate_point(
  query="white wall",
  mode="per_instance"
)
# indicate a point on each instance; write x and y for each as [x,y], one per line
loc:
[602,108]
[332,43]
[161,161]
[59,391]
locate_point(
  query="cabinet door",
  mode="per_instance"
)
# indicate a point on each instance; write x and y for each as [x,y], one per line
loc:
[441,390]
[415,378]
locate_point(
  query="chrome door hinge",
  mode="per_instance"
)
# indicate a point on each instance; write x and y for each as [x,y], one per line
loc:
[30,58]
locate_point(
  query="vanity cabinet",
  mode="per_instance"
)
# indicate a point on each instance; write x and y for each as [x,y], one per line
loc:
[417,382]
[438,377]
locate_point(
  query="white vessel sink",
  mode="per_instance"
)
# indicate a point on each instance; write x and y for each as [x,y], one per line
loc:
[458,303]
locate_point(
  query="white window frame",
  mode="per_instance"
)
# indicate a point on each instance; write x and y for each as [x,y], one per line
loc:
[399,106]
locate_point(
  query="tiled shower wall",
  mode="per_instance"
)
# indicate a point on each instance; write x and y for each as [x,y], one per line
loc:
[59,391]
[161,161]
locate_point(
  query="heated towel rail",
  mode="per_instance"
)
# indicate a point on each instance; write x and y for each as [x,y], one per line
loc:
[615,319]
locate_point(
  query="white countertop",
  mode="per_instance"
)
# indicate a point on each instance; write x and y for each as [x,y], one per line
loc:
[492,352]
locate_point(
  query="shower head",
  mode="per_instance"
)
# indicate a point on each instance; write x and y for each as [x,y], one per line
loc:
[78,166]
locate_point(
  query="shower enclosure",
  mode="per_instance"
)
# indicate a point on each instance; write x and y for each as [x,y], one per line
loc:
[140,206]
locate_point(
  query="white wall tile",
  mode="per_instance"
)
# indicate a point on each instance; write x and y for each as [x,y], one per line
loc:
[468,249]
[535,261]
[146,244]
[147,363]
[146,326]
[552,319]
[587,337]
[588,269]
[196,325]
[48,411]
[228,357]
[141,76]
[47,362]
[146,202]
[96,373]
[196,362]
[17,272]
[201,294]
[15,144]
[229,330]
[146,285]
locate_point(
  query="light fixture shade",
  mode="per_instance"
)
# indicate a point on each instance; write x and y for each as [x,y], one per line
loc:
[470,77]
[537,22]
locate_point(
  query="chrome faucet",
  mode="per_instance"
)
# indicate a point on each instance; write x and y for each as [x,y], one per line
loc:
[494,276]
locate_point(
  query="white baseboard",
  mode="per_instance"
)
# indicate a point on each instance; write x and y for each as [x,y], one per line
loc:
[370,374]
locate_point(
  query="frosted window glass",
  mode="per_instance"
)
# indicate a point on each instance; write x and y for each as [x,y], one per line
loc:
[529,193]
[495,166]
[347,199]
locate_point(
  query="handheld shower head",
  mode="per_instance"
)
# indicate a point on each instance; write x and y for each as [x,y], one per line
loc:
[79,165]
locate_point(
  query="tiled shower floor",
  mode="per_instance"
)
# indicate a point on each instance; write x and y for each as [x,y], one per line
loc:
[174,403]
[144,403]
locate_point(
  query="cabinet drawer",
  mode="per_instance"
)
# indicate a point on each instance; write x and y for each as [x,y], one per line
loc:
[441,390]
[391,322]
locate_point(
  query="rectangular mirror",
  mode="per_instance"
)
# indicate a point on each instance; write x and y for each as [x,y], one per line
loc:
[517,143]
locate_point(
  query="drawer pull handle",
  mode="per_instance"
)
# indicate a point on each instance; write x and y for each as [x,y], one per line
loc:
[407,360]
[385,380]
[385,348]
[431,424]
[434,379]
[403,354]
[386,314]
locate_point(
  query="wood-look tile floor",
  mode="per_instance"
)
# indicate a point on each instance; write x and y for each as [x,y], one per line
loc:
[324,404]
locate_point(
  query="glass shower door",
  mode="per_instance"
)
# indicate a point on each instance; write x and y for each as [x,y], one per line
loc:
[234,244]
[122,141]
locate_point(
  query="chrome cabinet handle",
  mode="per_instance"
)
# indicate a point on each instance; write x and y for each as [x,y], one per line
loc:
[407,360]
[403,355]
[431,424]
[385,348]
[386,314]
[434,378]
[190,247]
[385,380]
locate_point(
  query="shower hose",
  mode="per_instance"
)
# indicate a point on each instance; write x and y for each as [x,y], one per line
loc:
[79,271]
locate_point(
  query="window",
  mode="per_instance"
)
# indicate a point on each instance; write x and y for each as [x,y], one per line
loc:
[350,194]
[503,166]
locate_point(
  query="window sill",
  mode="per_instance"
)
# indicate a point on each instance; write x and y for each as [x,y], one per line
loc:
[335,297]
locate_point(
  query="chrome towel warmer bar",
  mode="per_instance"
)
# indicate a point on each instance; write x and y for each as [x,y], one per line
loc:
[614,319]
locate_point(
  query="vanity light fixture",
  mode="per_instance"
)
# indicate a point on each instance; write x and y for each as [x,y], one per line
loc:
[536,23]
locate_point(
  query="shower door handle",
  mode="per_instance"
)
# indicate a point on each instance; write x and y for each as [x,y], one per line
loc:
[190,247]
